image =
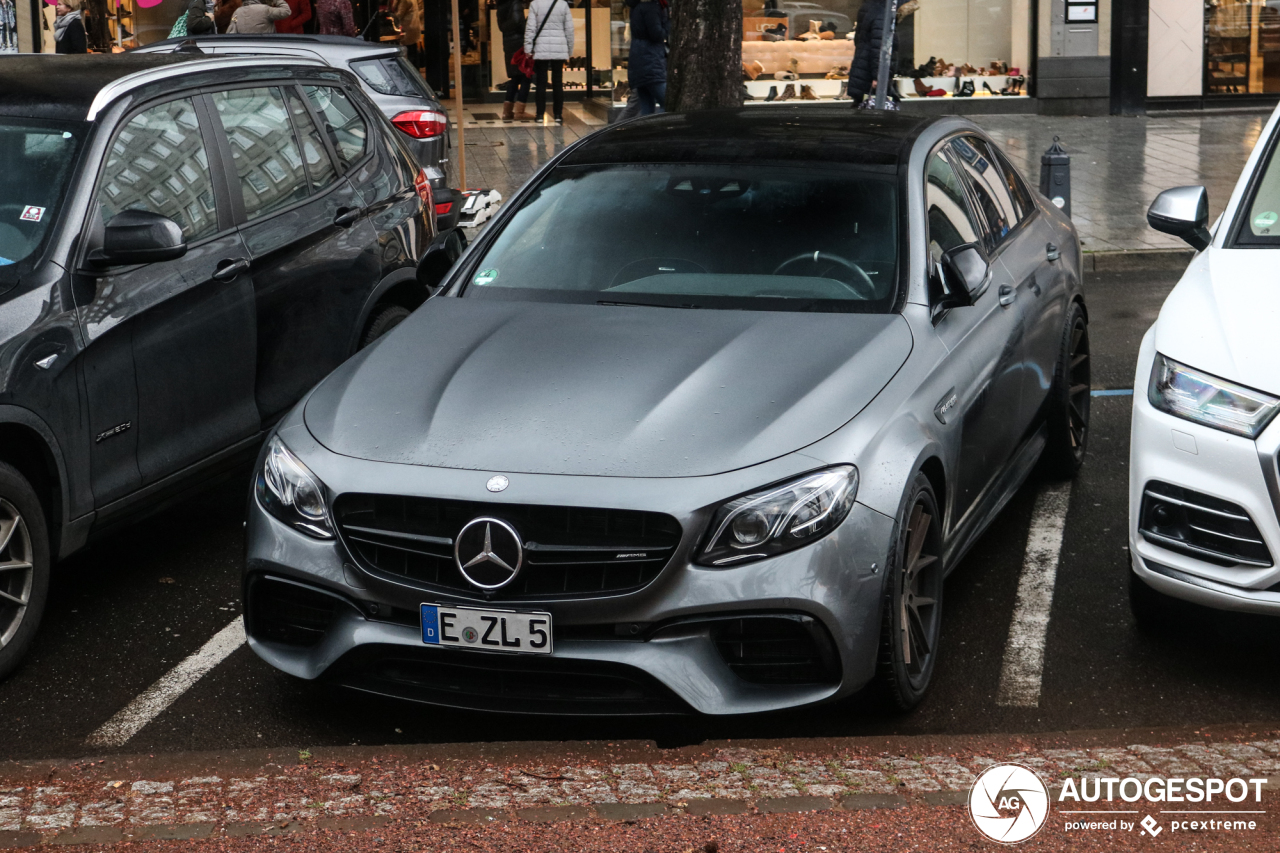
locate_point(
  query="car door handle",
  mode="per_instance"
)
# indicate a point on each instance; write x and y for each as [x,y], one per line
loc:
[227,270]
[1007,295]
[1051,252]
[346,216]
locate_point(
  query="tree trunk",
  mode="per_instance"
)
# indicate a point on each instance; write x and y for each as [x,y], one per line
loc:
[704,67]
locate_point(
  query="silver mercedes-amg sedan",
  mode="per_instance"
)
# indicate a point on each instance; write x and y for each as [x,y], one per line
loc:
[701,422]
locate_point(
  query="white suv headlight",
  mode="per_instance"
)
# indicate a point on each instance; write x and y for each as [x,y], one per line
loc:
[781,518]
[288,490]
[1187,393]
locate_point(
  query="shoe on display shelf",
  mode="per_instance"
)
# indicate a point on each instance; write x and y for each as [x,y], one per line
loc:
[788,93]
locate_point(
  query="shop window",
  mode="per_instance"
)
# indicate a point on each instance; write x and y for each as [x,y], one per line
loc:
[1242,47]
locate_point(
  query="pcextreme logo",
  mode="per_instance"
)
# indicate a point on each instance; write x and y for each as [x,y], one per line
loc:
[1009,803]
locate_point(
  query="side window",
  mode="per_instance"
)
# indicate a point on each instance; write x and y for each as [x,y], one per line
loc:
[319,166]
[266,155]
[342,121]
[158,163]
[1017,186]
[989,188]
[951,221]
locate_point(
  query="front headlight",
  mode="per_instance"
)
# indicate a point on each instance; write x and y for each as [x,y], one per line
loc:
[780,519]
[1187,393]
[288,490]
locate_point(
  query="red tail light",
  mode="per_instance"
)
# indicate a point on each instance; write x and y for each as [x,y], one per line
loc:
[443,208]
[423,187]
[421,124]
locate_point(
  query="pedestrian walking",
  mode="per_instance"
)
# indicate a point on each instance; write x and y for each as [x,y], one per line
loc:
[647,66]
[511,25]
[259,16]
[334,18]
[299,14]
[548,38]
[68,28]
[409,15]
[867,39]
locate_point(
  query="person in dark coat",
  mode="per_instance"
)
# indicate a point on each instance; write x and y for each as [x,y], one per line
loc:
[647,67]
[867,39]
[68,28]
[511,24]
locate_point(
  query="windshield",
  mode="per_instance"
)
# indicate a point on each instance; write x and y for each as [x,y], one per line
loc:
[36,160]
[694,236]
[1262,215]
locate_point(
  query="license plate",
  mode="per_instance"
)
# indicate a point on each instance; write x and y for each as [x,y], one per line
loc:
[487,630]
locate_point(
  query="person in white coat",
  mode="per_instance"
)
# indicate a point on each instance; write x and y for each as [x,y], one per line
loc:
[548,38]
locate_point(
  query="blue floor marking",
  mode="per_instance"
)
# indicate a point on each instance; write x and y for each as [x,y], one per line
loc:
[1116,392]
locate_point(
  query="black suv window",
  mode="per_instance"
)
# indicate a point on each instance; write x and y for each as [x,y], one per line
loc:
[158,163]
[342,122]
[266,154]
[989,188]
[319,166]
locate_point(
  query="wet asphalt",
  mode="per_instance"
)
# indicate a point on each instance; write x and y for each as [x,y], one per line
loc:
[124,612]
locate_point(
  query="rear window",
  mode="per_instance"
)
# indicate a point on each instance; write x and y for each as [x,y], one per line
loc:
[393,75]
[36,161]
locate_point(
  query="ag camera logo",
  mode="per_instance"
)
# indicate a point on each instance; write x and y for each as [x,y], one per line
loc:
[1009,803]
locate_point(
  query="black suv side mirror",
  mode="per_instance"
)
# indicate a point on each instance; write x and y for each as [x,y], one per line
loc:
[140,237]
[439,258]
[960,278]
[1183,212]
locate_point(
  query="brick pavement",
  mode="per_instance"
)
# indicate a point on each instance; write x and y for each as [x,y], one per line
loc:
[1118,164]
[74,802]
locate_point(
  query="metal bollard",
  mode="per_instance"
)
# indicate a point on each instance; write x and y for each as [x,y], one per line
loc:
[1055,176]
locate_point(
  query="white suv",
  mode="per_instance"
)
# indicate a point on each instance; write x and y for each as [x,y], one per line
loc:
[1204,492]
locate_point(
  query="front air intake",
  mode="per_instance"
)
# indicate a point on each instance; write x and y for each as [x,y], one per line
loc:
[777,649]
[1201,526]
[288,613]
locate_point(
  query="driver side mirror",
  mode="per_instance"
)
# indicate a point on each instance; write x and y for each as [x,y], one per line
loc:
[1183,212]
[961,277]
[439,258]
[140,237]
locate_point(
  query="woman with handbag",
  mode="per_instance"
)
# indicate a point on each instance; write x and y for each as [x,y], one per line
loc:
[548,38]
[519,63]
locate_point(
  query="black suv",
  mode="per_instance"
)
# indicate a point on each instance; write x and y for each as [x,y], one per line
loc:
[186,246]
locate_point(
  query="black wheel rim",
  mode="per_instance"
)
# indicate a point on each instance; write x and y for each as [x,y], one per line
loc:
[919,595]
[1079,387]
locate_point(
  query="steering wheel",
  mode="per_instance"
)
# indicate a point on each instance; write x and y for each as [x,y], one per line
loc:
[863,287]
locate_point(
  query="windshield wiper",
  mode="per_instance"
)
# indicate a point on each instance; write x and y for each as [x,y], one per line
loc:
[645,304]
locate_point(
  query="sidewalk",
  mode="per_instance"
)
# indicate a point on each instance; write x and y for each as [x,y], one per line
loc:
[1118,165]
[841,794]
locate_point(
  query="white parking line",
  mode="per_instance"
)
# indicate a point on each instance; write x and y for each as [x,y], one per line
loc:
[1023,667]
[130,719]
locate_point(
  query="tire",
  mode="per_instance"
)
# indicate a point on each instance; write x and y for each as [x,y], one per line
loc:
[912,600]
[24,539]
[1152,610]
[1067,414]
[384,319]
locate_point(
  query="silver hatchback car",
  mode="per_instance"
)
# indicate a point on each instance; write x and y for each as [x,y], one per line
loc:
[701,421]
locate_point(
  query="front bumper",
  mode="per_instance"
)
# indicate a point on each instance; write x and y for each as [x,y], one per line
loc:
[1209,462]
[650,651]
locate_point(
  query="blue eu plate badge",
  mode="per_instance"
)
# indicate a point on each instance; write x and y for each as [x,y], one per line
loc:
[431,624]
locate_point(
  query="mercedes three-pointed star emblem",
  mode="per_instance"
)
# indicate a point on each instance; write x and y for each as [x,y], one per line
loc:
[494,553]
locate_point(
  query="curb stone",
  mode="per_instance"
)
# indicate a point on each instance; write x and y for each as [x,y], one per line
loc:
[1137,260]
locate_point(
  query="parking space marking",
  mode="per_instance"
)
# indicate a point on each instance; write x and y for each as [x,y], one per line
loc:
[1023,667]
[130,719]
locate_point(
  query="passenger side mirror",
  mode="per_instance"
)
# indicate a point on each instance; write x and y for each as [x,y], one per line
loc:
[140,237]
[1183,212]
[439,258]
[961,277]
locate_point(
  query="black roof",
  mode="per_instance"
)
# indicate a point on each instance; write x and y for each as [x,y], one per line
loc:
[754,134]
[61,86]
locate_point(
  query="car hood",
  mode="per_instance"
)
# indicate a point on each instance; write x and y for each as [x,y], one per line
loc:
[525,387]
[1223,316]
